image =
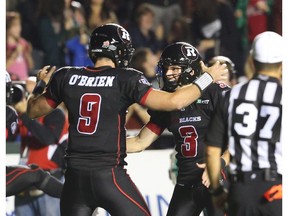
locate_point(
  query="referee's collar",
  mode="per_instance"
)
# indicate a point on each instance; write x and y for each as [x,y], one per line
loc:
[266,78]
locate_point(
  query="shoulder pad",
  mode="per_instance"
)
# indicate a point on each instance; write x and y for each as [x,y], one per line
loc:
[134,70]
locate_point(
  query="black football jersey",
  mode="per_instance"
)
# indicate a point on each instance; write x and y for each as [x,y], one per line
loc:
[97,100]
[11,121]
[189,126]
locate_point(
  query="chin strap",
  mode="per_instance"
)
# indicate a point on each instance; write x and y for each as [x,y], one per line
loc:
[186,78]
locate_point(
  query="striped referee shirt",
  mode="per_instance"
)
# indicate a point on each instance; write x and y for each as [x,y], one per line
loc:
[248,119]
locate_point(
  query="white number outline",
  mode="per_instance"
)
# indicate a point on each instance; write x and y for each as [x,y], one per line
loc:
[186,146]
[91,106]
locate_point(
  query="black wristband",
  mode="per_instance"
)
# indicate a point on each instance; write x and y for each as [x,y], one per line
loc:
[39,88]
[216,192]
[223,163]
[25,119]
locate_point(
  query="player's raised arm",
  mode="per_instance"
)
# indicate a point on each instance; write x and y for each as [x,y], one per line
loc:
[37,103]
[187,94]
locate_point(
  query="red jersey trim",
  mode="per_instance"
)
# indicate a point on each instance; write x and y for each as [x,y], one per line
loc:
[50,101]
[97,70]
[155,128]
[223,174]
[118,143]
[19,171]
[143,99]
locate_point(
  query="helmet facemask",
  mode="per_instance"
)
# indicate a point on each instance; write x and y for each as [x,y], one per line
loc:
[123,55]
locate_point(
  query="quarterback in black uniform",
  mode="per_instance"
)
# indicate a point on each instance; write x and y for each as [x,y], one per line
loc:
[20,178]
[97,99]
[188,125]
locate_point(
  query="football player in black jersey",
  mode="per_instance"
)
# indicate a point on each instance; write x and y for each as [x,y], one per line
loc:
[97,99]
[20,178]
[188,125]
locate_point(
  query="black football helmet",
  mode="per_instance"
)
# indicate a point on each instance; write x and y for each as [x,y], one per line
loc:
[111,41]
[181,54]
[9,89]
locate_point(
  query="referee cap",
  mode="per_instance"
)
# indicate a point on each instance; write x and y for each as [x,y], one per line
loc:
[267,47]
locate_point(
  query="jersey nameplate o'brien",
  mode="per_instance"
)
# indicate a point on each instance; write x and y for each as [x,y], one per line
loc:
[99,81]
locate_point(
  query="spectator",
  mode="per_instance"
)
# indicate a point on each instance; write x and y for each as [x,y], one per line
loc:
[69,20]
[180,31]
[252,18]
[165,11]
[28,12]
[77,45]
[124,10]
[19,60]
[98,13]
[141,31]
[145,61]
[214,31]
[187,8]
[51,31]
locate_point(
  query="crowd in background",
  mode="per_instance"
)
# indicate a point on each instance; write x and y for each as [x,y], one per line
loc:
[56,32]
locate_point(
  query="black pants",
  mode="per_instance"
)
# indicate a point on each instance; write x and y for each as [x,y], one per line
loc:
[191,201]
[21,178]
[111,188]
[246,199]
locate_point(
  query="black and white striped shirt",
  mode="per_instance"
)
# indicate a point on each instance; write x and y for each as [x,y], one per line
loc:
[249,120]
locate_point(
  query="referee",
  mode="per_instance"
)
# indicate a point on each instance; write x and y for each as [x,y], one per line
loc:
[249,120]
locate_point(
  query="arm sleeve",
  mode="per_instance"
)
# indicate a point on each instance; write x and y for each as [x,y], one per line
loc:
[49,132]
[217,134]
[158,121]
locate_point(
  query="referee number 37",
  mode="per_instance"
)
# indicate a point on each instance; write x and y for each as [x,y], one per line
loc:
[248,117]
